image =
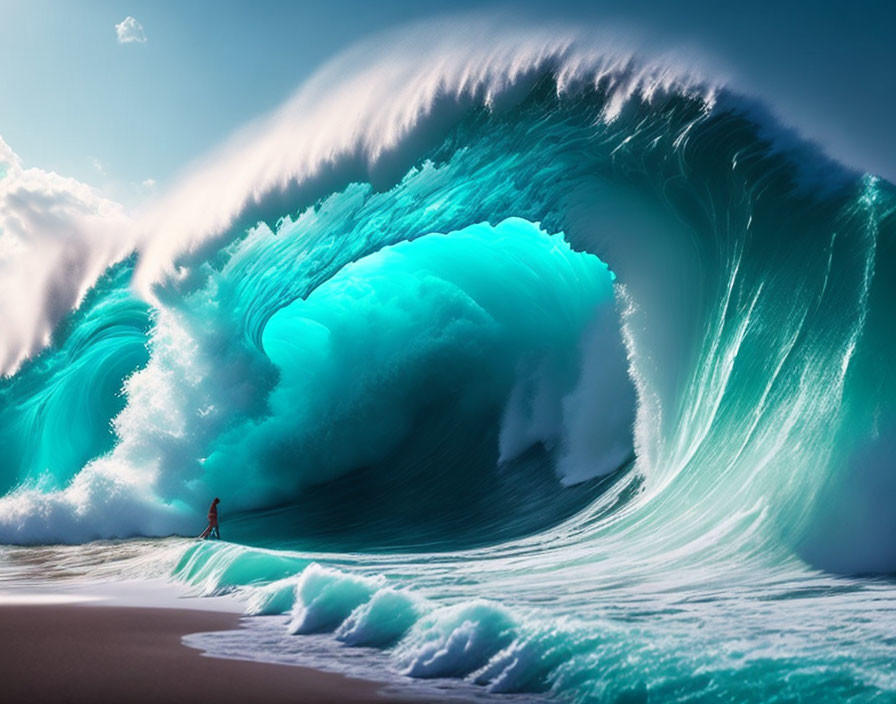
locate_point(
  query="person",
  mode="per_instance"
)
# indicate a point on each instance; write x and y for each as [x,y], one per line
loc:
[212,531]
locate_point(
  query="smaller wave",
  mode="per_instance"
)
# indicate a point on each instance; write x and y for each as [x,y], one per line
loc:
[500,649]
[456,640]
[383,620]
[325,598]
[227,567]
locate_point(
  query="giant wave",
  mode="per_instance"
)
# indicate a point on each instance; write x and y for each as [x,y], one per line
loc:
[531,361]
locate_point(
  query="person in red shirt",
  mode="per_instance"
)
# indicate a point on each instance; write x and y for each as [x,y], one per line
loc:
[212,531]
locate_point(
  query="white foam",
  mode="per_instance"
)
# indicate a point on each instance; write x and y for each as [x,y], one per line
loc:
[42,599]
[369,99]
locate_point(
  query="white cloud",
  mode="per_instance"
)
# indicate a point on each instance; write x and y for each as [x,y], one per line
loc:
[97,164]
[130,31]
[148,183]
[57,237]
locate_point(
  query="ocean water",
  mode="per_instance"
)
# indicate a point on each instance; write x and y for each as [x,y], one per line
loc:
[528,365]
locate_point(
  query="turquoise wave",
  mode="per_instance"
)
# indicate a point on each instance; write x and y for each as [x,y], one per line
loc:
[596,406]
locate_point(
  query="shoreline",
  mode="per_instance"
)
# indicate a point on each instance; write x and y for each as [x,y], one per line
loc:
[85,652]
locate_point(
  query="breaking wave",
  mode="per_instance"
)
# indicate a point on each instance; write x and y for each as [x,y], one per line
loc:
[516,357]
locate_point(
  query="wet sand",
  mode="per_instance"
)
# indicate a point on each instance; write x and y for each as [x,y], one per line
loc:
[96,654]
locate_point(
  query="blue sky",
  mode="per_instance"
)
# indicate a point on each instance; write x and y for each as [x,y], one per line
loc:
[77,101]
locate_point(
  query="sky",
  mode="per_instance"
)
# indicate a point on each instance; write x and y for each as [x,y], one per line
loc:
[125,105]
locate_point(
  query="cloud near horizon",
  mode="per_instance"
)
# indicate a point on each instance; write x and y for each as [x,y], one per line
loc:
[130,31]
[57,237]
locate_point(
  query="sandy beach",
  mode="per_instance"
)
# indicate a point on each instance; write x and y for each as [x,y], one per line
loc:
[93,654]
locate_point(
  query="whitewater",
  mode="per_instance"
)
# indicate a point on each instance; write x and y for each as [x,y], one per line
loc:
[516,356]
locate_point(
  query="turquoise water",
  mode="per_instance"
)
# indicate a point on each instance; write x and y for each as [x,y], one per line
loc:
[582,396]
